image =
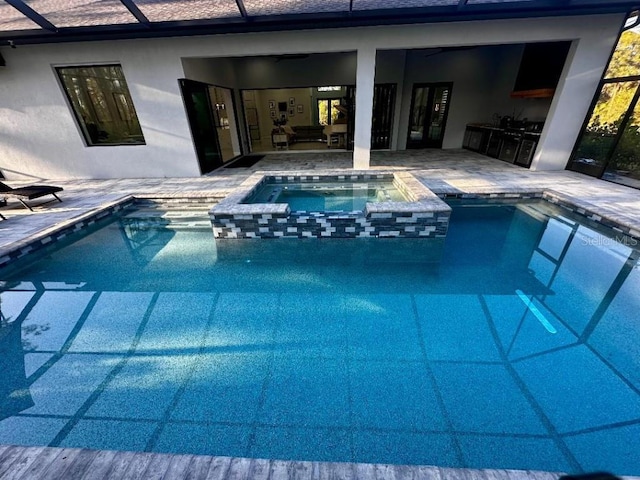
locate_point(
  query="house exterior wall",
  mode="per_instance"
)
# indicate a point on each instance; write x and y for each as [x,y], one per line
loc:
[40,139]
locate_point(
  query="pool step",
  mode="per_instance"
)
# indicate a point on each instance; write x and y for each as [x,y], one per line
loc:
[153,214]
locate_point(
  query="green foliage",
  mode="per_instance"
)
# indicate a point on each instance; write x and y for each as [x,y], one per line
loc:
[626,59]
[610,110]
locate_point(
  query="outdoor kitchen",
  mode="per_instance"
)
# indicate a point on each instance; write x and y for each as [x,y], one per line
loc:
[514,138]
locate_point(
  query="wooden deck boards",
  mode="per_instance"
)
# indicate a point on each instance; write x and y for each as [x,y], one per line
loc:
[40,463]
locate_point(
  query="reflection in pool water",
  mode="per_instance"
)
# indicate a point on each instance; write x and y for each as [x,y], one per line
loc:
[403,351]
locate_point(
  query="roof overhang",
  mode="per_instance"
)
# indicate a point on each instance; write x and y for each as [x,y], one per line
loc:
[241,19]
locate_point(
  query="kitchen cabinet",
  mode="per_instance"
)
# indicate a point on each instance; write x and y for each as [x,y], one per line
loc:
[513,145]
[527,149]
[478,138]
[473,138]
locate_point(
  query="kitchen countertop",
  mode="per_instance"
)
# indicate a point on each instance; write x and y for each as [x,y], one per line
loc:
[488,126]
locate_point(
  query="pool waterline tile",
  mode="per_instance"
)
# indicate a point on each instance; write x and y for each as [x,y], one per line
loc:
[26,430]
[317,444]
[204,439]
[373,446]
[109,434]
[513,453]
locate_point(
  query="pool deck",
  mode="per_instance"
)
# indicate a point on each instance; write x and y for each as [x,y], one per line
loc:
[452,172]
[31,463]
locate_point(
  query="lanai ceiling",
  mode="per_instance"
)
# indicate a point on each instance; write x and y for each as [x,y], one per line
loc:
[44,21]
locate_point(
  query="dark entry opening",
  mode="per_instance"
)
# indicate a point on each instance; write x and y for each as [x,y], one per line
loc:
[384,96]
[202,124]
[384,99]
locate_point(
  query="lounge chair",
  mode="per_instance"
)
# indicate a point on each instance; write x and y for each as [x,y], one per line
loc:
[29,192]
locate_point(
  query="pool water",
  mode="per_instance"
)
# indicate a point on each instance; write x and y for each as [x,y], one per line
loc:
[515,343]
[325,197]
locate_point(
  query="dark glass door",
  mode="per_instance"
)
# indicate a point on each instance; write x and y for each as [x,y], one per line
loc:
[202,123]
[384,96]
[428,115]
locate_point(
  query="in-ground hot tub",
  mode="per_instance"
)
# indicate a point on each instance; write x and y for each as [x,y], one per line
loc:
[385,204]
[326,197]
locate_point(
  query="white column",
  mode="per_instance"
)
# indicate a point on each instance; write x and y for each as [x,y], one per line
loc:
[578,83]
[365,79]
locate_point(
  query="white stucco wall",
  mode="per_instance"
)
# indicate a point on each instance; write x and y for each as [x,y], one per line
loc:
[583,71]
[39,137]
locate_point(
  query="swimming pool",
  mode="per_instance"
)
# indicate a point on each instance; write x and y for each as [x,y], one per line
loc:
[327,197]
[512,344]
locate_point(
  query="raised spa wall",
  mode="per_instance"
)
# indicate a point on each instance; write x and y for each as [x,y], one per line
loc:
[423,215]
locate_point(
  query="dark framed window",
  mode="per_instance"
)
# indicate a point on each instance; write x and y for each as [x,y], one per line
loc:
[102,105]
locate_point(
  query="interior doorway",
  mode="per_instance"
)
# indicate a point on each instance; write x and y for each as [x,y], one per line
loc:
[428,114]
[297,118]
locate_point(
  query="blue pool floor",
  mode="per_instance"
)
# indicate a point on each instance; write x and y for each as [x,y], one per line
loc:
[302,363]
[214,384]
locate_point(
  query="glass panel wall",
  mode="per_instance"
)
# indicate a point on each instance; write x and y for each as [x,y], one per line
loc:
[624,164]
[609,147]
[600,137]
[102,105]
